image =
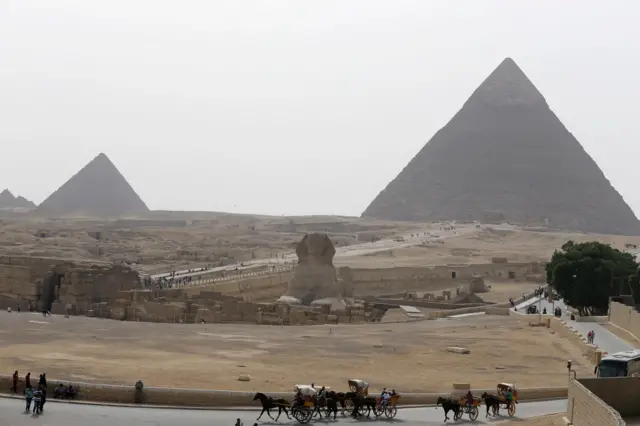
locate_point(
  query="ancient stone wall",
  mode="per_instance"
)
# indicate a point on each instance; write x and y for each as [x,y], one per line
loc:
[48,282]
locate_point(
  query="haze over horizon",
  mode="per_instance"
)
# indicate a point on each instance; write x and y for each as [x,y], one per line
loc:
[288,107]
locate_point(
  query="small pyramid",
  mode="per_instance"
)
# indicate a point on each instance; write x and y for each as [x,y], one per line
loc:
[505,156]
[98,190]
[6,199]
[23,203]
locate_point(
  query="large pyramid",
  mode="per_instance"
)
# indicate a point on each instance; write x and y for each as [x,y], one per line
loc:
[98,190]
[505,156]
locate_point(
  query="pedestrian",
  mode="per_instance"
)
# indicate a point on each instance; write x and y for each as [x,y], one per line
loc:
[37,397]
[27,380]
[43,380]
[28,393]
[593,336]
[14,388]
[43,399]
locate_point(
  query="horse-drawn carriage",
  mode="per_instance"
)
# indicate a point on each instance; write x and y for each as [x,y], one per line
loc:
[304,407]
[387,406]
[471,409]
[508,396]
[359,389]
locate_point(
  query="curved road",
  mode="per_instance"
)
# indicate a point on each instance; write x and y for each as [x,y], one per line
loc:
[66,414]
[604,339]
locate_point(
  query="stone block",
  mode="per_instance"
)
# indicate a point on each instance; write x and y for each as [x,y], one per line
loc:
[458,350]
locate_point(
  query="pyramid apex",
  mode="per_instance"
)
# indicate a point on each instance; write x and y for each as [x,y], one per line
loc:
[508,85]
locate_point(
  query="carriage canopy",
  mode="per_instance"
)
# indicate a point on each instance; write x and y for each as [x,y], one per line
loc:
[359,383]
[305,390]
[505,386]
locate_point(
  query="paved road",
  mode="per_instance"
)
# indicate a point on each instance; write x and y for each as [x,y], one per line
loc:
[353,250]
[605,340]
[62,414]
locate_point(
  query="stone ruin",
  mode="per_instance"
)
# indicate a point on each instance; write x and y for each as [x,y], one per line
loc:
[476,284]
[314,281]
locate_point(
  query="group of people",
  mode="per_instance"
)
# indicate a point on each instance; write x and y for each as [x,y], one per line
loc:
[36,395]
[591,336]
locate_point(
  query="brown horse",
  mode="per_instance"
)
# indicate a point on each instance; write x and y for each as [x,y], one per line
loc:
[268,403]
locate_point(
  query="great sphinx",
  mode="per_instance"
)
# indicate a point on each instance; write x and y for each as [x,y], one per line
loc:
[314,281]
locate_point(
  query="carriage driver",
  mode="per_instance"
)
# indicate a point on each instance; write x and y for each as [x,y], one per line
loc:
[469,399]
[321,394]
[386,396]
[297,398]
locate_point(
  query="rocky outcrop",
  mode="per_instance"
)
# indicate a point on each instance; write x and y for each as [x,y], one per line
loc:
[98,190]
[314,280]
[505,156]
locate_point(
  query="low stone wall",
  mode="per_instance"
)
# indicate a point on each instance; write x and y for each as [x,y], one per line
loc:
[221,398]
[492,310]
[585,408]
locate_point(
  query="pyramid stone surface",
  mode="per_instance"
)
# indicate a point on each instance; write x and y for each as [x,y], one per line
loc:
[99,189]
[505,156]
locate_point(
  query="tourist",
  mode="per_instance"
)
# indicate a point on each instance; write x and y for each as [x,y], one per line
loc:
[37,400]
[238,423]
[43,380]
[14,388]
[28,394]
[43,398]
[27,380]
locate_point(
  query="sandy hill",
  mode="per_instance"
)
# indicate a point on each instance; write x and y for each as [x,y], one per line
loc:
[505,156]
[98,190]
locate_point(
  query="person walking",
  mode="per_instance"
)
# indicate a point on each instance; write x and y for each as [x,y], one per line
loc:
[43,399]
[14,387]
[28,394]
[37,397]
[27,380]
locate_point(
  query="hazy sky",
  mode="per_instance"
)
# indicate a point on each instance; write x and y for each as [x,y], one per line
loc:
[292,107]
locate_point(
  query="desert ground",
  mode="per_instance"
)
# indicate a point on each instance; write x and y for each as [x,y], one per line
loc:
[408,356]
[189,240]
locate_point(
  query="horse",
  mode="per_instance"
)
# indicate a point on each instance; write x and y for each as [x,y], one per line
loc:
[339,397]
[331,405]
[492,402]
[449,404]
[268,403]
[359,401]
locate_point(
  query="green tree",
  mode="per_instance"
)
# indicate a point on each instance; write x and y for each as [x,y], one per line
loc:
[585,275]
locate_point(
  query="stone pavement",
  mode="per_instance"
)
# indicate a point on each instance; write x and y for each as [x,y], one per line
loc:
[63,414]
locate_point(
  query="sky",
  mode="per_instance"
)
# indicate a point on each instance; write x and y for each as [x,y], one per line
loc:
[292,107]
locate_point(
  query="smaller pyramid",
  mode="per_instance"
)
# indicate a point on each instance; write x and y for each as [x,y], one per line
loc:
[9,201]
[97,190]
[6,199]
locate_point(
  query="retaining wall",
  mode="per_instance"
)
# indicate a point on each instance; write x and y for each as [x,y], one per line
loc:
[223,398]
[585,408]
[625,317]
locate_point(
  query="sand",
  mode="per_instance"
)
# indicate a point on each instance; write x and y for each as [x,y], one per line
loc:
[411,357]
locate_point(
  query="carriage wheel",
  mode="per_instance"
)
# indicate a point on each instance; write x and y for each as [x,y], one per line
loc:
[348,407]
[378,410]
[511,409]
[473,413]
[363,409]
[458,415]
[391,411]
[302,415]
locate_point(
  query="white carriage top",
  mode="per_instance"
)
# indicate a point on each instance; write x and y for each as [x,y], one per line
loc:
[305,390]
[361,384]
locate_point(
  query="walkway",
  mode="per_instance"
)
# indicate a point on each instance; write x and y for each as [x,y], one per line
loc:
[605,340]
